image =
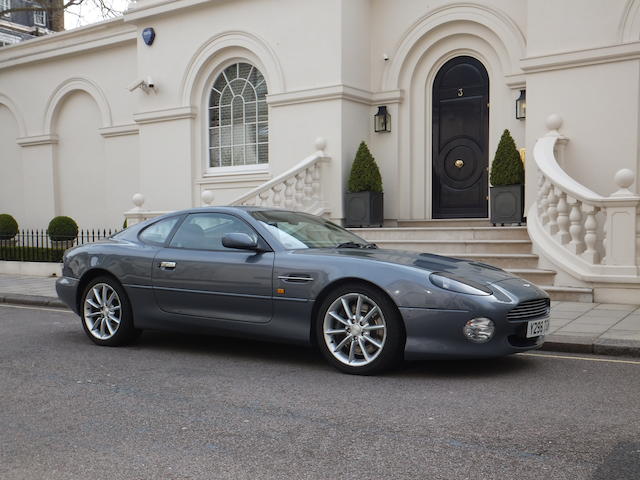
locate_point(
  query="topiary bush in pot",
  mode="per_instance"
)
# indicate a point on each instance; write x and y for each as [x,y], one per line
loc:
[364,200]
[8,227]
[62,229]
[507,183]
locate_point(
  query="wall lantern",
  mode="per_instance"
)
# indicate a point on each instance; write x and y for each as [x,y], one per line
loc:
[382,120]
[521,105]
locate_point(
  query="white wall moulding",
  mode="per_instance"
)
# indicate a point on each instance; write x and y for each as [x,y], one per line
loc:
[299,188]
[334,92]
[513,41]
[629,29]
[70,42]
[581,58]
[119,130]
[593,237]
[165,115]
[145,9]
[17,114]
[36,140]
[69,86]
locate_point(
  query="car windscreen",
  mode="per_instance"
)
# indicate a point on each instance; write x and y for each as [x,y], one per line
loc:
[300,230]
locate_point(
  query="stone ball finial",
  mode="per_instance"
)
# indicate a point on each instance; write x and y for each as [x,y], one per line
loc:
[207,197]
[554,121]
[138,199]
[624,178]
[321,144]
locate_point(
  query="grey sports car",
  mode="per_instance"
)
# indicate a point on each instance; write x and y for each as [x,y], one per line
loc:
[293,277]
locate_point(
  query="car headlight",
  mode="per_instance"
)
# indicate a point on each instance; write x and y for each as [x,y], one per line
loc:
[459,285]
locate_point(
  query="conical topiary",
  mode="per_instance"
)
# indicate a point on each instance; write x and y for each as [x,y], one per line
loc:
[507,168]
[365,176]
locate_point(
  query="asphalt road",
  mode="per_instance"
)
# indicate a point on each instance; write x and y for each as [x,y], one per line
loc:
[181,407]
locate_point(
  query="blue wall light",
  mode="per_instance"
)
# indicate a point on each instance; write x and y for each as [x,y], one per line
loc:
[148,35]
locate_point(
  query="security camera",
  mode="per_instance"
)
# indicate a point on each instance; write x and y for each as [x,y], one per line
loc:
[145,85]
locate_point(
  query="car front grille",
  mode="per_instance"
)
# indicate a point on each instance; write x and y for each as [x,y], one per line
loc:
[530,309]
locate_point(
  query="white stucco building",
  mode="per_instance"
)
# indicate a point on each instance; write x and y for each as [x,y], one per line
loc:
[242,89]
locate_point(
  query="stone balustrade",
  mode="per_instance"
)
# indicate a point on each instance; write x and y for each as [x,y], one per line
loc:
[299,188]
[595,237]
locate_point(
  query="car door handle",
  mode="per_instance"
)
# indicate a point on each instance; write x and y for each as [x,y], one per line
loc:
[167,265]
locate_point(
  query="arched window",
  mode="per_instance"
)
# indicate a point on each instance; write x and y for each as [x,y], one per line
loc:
[238,119]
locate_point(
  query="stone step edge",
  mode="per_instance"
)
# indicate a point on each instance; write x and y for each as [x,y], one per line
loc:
[404,229]
[473,241]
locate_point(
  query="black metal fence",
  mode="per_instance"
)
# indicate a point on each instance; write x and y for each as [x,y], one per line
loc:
[37,245]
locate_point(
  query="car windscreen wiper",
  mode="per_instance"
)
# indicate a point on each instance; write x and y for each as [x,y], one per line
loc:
[356,245]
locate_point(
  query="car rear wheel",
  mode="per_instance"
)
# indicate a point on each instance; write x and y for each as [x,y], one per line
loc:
[359,331]
[106,313]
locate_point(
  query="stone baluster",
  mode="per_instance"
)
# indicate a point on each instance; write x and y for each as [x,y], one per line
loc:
[308,188]
[540,196]
[544,203]
[575,230]
[299,195]
[563,217]
[263,198]
[638,238]
[277,196]
[289,193]
[591,254]
[315,185]
[552,211]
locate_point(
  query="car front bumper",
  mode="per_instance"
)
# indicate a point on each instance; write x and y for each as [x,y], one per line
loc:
[434,333]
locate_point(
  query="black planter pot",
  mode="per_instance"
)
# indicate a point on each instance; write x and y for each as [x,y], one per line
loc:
[507,204]
[363,209]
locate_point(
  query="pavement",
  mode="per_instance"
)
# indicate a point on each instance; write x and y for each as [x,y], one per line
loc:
[599,328]
[189,407]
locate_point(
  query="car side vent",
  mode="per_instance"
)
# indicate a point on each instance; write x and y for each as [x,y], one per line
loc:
[530,309]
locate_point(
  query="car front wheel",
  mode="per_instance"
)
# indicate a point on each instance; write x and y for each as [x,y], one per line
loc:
[359,330]
[106,313]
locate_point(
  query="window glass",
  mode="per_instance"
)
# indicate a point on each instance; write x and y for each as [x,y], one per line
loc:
[238,118]
[300,230]
[40,18]
[204,231]
[158,232]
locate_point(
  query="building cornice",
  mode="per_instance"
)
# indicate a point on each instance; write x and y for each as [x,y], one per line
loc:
[119,130]
[151,8]
[165,115]
[79,40]
[36,140]
[581,58]
[334,92]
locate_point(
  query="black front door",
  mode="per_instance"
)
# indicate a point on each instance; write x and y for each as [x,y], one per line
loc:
[460,154]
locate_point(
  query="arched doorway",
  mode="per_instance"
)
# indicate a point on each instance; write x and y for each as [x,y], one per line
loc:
[460,156]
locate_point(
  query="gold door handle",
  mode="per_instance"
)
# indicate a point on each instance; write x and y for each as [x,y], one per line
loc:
[459,163]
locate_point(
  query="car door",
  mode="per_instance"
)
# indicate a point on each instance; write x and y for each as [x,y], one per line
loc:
[196,275]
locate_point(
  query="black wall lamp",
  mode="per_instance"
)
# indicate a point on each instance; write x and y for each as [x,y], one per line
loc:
[382,120]
[521,105]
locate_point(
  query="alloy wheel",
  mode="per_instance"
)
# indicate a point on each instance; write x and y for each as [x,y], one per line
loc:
[354,329]
[102,311]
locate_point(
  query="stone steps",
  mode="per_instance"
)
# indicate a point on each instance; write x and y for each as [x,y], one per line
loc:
[476,240]
[456,246]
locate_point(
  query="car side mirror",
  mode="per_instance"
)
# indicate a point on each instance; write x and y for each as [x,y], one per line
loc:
[241,241]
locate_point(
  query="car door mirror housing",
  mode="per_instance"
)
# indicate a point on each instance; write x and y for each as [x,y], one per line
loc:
[240,240]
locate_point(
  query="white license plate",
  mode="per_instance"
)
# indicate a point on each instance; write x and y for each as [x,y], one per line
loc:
[536,328]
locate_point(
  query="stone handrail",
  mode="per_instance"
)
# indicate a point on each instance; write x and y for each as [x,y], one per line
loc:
[596,238]
[299,188]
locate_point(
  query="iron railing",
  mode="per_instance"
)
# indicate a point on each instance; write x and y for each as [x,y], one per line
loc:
[37,245]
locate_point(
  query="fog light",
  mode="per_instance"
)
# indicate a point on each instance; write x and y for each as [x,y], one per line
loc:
[479,330]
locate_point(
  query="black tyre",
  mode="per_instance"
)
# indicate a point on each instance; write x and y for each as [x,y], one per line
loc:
[106,314]
[359,330]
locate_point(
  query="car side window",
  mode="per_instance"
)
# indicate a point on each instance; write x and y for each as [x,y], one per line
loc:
[158,232]
[204,231]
